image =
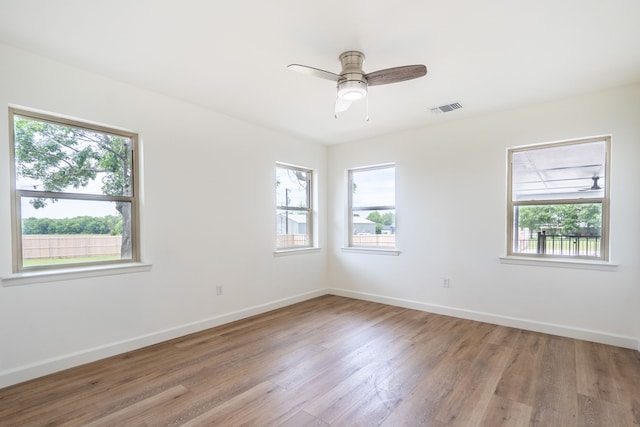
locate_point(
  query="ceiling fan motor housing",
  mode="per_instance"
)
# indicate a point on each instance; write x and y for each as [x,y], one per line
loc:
[352,84]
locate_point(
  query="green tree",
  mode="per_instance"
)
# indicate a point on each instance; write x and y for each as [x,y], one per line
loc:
[110,224]
[59,157]
[565,219]
[381,220]
[534,217]
[387,218]
[590,217]
[375,217]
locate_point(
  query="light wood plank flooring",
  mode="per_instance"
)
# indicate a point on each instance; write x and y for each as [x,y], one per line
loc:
[343,362]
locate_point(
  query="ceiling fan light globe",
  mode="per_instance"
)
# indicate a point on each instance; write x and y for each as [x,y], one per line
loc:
[352,90]
[352,95]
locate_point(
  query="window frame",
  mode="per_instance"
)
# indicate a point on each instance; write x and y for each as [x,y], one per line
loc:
[309,210]
[18,194]
[603,201]
[350,210]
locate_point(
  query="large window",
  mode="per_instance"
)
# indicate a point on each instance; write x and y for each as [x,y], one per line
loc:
[372,207]
[294,213]
[73,194]
[559,200]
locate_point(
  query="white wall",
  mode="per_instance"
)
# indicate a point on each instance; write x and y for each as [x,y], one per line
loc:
[451,213]
[200,171]
[451,223]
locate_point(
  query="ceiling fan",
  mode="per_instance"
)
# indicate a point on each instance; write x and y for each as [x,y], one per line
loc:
[595,186]
[353,82]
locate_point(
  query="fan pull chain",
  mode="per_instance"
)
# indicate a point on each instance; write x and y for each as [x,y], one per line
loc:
[367,101]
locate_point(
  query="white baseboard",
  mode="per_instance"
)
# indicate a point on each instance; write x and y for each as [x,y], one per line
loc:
[514,322]
[45,367]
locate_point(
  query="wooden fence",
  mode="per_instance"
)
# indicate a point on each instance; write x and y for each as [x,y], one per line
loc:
[380,240]
[291,240]
[375,240]
[47,246]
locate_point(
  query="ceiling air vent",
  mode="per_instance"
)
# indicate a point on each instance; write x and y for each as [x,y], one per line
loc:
[446,108]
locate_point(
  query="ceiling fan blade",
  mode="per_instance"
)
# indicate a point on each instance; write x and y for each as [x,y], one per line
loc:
[395,75]
[316,72]
[342,105]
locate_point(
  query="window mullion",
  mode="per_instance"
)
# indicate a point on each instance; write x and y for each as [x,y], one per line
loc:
[558,202]
[374,208]
[72,196]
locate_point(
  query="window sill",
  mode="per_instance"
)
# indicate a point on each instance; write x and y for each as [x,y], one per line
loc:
[31,277]
[375,251]
[560,263]
[287,252]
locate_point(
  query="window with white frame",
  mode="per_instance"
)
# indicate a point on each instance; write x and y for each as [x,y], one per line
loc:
[74,198]
[294,211]
[372,207]
[559,200]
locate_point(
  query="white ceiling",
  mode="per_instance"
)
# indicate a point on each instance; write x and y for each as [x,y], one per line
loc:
[231,57]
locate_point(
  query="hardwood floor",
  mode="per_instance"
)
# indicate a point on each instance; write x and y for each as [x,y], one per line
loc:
[343,362]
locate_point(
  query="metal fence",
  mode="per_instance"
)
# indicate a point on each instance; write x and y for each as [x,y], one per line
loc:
[561,245]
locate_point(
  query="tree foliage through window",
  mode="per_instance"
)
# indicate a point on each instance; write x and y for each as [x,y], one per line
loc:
[61,160]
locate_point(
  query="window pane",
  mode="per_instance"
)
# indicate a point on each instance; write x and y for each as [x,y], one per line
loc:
[374,228]
[292,228]
[559,172]
[558,230]
[291,187]
[294,219]
[54,234]
[62,158]
[373,187]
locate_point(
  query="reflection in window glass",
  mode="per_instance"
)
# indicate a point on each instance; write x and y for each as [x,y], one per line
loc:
[559,198]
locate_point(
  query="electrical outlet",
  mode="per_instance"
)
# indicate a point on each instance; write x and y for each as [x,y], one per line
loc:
[445,283]
[219,290]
